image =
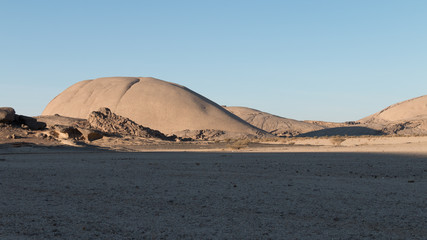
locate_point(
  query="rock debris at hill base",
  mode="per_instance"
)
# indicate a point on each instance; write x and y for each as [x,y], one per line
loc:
[108,122]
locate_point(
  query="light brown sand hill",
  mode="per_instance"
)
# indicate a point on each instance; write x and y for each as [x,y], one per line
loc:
[150,102]
[273,124]
[412,109]
[404,118]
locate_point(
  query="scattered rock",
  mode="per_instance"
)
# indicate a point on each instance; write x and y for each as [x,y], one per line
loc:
[394,128]
[90,134]
[7,114]
[12,136]
[66,132]
[205,134]
[412,127]
[209,133]
[41,135]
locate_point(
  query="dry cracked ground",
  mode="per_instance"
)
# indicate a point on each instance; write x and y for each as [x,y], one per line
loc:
[62,193]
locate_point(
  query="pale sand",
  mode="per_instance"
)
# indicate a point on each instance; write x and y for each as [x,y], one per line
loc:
[412,109]
[85,193]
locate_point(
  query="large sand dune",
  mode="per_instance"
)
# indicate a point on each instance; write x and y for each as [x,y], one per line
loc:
[274,124]
[154,103]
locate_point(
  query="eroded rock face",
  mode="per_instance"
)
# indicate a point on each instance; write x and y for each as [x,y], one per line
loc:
[7,114]
[106,121]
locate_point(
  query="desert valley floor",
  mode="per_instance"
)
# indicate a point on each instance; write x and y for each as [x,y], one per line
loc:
[302,192]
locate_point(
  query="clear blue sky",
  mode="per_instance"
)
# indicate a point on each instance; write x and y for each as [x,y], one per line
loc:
[321,60]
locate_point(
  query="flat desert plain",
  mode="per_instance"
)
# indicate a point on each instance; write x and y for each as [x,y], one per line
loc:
[212,192]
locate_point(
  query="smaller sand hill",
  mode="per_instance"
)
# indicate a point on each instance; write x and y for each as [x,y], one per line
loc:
[404,118]
[273,124]
[412,109]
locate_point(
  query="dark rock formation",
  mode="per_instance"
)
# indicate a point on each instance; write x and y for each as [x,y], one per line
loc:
[7,115]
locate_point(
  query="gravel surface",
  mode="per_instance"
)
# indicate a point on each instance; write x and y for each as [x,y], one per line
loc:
[110,195]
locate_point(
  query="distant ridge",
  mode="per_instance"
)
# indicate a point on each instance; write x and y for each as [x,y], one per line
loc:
[279,126]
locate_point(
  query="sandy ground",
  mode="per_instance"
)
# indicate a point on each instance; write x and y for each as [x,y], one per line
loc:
[87,193]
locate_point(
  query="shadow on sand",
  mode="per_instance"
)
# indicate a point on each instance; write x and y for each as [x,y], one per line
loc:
[28,147]
[343,131]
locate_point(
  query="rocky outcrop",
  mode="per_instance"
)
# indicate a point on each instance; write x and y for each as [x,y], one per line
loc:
[108,122]
[7,115]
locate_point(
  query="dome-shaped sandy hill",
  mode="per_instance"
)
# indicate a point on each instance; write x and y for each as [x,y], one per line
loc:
[150,102]
[413,109]
[273,124]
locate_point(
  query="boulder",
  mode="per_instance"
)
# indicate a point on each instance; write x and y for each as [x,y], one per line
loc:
[75,133]
[90,134]
[7,114]
[32,123]
[66,132]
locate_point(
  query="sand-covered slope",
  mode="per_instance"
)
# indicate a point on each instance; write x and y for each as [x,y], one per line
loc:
[404,118]
[274,124]
[412,109]
[150,102]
